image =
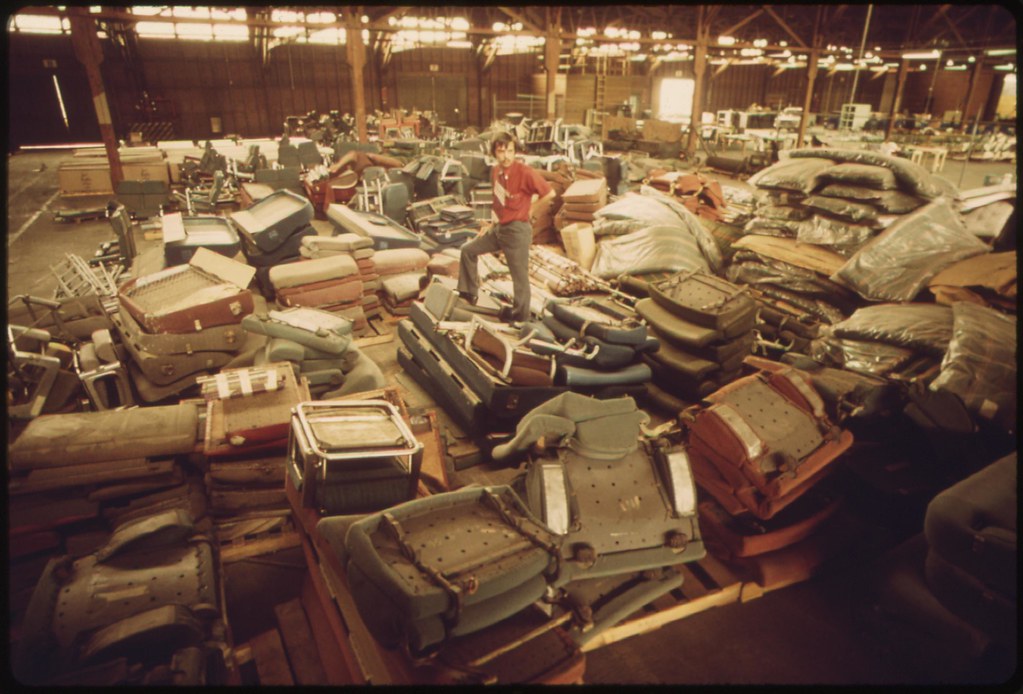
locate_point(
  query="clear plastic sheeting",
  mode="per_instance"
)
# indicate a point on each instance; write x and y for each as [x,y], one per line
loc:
[980,364]
[889,201]
[654,249]
[867,175]
[706,241]
[850,210]
[636,207]
[786,212]
[873,358]
[897,264]
[802,175]
[911,178]
[788,228]
[926,328]
[843,237]
[604,226]
[749,268]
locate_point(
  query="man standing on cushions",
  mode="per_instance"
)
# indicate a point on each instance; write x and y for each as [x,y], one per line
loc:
[510,230]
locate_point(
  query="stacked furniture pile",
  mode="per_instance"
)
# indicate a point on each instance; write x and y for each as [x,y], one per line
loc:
[360,249]
[580,201]
[183,322]
[400,271]
[319,346]
[705,328]
[331,283]
[272,230]
[761,448]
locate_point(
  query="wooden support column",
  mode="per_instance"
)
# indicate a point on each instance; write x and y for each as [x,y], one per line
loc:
[90,54]
[970,91]
[551,59]
[700,69]
[811,80]
[811,75]
[900,85]
[357,61]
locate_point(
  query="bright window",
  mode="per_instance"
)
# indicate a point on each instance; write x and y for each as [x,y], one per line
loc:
[676,98]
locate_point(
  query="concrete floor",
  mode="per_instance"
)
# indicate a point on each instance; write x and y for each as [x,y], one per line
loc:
[826,631]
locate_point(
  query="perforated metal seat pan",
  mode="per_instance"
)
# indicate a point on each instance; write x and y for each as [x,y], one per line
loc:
[92,437]
[706,300]
[769,430]
[270,221]
[463,536]
[184,299]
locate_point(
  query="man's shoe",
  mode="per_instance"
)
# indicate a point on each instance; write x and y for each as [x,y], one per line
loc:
[505,314]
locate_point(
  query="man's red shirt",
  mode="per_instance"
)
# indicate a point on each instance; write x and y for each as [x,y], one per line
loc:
[516,185]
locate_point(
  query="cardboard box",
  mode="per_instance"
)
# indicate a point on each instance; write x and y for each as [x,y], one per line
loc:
[93,178]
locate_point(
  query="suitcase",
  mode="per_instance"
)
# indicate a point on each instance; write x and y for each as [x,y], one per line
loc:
[971,532]
[337,293]
[267,224]
[221,338]
[291,248]
[383,231]
[706,300]
[208,292]
[165,369]
[183,235]
[91,437]
[768,436]
[422,573]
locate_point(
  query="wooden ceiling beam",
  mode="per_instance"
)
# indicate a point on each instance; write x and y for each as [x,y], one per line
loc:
[783,25]
[526,22]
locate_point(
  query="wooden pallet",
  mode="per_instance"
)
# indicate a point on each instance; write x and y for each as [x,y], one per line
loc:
[707,583]
[287,655]
[264,539]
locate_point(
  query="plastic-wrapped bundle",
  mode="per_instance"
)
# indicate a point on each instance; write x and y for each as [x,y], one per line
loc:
[749,268]
[897,264]
[911,178]
[874,358]
[980,364]
[868,175]
[788,228]
[801,175]
[654,249]
[604,226]
[849,210]
[843,237]
[704,239]
[635,207]
[923,327]
[787,212]
[889,201]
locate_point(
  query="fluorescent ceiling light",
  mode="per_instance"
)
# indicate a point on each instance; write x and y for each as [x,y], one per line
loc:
[926,55]
[1005,66]
[1000,51]
[956,68]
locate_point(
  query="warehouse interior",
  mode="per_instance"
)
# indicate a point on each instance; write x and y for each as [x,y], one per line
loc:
[758,426]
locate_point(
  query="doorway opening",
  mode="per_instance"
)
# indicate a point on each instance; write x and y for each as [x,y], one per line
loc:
[675,98]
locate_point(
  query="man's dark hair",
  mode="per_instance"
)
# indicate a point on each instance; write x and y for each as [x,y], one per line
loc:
[503,139]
